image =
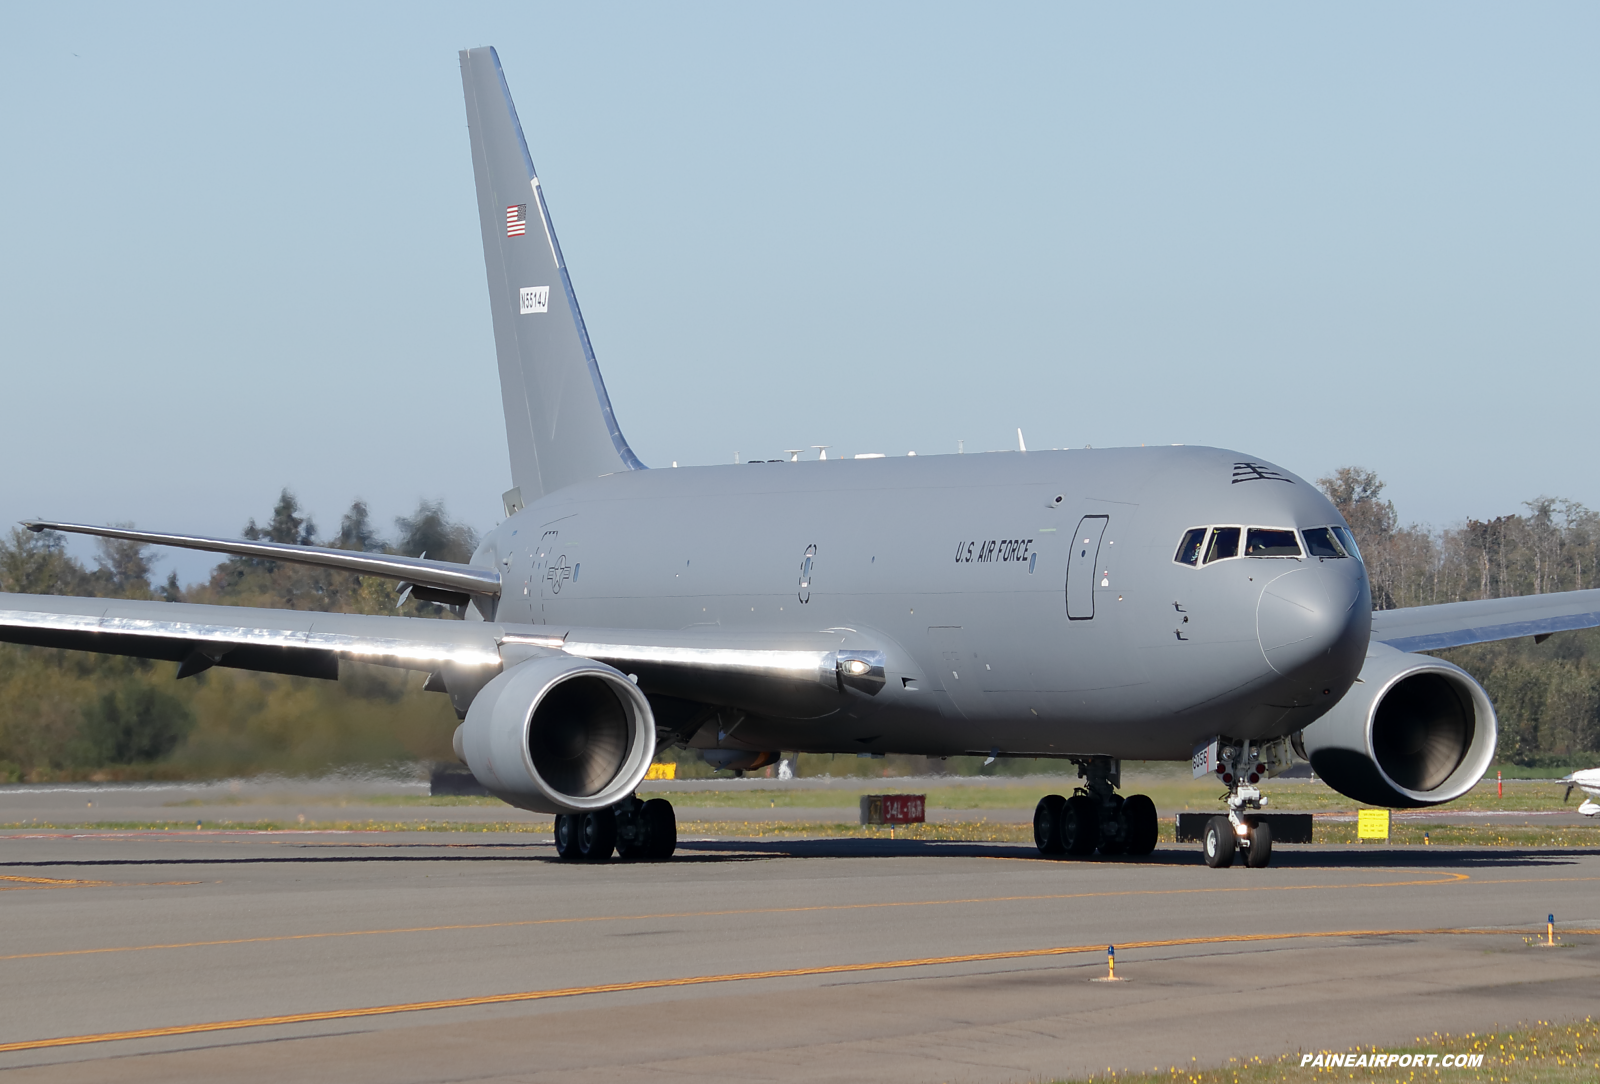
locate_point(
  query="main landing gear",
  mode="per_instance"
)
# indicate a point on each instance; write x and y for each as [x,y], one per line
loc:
[1096,817]
[634,829]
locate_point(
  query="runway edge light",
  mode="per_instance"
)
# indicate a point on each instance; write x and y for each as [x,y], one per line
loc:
[1111,967]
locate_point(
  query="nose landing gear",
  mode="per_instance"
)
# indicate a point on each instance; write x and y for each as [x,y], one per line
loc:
[1220,843]
[1096,816]
[1240,765]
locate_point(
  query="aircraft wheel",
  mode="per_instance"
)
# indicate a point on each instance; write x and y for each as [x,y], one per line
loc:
[1047,824]
[660,829]
[567,836]
[1116,842]
[1219,843]
[1080,825]
[1142,828]
[597,835]
[1260,853]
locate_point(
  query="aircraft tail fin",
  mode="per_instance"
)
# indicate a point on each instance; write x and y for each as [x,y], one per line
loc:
[559,422]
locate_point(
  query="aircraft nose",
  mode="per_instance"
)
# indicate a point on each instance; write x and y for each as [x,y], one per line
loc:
[1310,613]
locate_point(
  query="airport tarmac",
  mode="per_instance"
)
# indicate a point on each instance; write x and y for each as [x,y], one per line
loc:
[183,955]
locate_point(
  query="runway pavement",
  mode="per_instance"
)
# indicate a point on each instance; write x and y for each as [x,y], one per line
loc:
[183,955]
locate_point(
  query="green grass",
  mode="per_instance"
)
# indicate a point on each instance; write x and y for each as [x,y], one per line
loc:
[1517,771]
[338,801]
[1476,835]
[973,831]
[282,826]
[980,831]
[985,831]
[977,831]
[1170,796]
[1541,1053]
[1170,791]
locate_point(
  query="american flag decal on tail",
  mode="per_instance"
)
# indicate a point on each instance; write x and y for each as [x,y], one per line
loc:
[517,220]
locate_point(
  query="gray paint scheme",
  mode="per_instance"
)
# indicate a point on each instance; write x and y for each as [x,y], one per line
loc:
[980,653]
[440,575]
[914,605]
[280,641]
[558,416]
[1455,624]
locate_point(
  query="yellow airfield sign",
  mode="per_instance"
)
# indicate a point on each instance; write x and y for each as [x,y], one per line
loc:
[1372,824]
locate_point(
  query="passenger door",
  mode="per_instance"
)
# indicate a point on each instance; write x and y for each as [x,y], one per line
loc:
[1082,567]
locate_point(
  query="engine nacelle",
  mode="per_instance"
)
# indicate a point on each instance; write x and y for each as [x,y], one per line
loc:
[557,734]
[1412,731]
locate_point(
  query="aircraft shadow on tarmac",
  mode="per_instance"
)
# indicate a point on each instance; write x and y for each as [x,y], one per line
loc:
[744,850]
[1282,857]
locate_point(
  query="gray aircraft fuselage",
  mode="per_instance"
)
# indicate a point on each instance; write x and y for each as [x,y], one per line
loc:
[1035,593]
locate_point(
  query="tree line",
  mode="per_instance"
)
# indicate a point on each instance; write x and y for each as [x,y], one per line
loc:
[1547,696]
[1552,547]
[68,714]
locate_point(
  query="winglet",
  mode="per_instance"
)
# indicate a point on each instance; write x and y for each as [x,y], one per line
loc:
[559,422]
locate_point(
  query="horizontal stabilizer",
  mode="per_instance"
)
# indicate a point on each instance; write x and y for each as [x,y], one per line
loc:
[439,576]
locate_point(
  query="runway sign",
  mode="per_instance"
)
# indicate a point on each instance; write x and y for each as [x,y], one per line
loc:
[893,808]
[662,771]
[1372,824]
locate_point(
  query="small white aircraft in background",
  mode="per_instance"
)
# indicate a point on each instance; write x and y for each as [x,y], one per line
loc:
[1587,781]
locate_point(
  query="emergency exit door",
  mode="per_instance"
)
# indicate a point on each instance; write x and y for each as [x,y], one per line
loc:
[1083,566]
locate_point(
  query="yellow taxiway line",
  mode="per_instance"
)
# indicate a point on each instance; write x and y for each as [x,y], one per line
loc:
[20,884]
[702,980]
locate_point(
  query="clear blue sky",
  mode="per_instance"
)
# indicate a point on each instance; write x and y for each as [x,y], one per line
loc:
[240,247]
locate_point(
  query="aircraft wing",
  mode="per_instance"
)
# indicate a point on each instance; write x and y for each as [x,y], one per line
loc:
[1454,624]
[306,643]
[432,581]
[790,674]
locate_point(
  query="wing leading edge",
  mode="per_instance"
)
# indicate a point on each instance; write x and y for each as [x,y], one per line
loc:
[305,643]
[432,581]
[1456,624]
[801,675]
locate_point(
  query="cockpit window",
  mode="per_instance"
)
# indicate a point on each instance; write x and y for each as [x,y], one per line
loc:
[1267,542]
[1224,543]
[1320,542]
[1348,540]
[1189,549]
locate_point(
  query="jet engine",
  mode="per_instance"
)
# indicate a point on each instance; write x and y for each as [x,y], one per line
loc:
[557,734]
[1412,731]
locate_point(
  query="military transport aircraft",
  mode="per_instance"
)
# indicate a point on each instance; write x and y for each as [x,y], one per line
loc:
[1176,603]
